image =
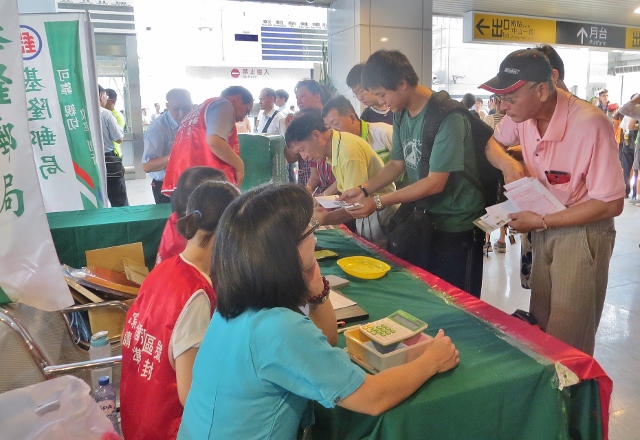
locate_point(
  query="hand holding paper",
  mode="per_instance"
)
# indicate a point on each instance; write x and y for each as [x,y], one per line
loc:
[526,194]
[525,221]
[332,202]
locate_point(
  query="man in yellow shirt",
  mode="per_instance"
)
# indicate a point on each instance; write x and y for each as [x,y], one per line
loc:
[353,161]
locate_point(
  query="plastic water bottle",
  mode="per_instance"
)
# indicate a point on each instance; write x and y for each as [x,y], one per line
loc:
[106,398]
[99,349]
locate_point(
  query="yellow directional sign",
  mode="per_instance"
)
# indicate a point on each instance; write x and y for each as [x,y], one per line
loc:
[485,27]
[511,28]
[633,39]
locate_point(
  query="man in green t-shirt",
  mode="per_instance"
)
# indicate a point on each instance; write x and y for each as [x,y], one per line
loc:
[453,202]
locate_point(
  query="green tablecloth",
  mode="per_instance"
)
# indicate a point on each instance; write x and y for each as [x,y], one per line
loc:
[74,232]
[500,390]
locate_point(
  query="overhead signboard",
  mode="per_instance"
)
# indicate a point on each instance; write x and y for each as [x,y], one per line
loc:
[509,28]
[590,34]
[495,27]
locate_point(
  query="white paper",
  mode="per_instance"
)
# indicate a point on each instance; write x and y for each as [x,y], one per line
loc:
[339,301]
[526,194]
[330,202]
[534,196]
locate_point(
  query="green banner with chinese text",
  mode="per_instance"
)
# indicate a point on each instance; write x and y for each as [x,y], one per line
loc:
[69,79]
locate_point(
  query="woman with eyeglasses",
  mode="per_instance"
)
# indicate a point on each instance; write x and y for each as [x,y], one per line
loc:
[262,362]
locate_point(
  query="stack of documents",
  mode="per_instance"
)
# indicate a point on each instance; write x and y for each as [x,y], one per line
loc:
[331,202]
[526,194]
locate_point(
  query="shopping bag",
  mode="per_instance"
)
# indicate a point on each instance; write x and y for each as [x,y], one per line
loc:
[57,409]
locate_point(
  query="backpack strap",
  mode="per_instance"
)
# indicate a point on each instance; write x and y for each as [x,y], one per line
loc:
[440,106]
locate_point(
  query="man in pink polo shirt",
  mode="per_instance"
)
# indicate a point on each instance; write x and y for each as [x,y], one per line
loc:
[568,145]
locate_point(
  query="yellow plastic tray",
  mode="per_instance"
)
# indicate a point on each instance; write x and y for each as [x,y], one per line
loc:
[364,267]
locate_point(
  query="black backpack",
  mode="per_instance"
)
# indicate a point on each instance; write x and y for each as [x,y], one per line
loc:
[490,179]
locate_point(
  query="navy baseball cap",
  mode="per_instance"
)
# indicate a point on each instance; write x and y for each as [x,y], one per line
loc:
[518,68]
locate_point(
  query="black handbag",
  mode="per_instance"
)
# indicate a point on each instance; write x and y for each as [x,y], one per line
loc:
[114,166]
[409,231]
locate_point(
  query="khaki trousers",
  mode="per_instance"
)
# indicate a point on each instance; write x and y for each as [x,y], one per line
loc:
[569,280]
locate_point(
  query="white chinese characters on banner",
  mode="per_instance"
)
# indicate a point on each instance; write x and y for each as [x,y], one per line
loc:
[29,268]
[62,125]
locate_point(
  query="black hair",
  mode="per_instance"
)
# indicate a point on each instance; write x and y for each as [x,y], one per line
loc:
[256,264]
[315,88]
[204,209]
[554,59]
[341,104]
[178,93]
[354,77]
[188,182]
[469,100]
[247,97]
[387,69]
[111,94]
[100,89]
[282,93]
[303,125]
[269,92]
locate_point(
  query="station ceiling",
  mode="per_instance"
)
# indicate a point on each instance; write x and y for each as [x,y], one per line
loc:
[618,12]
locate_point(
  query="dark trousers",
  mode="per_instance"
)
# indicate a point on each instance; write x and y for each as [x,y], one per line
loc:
[117,191]
[626,159]
[156,188]
[116,188]
[457,258]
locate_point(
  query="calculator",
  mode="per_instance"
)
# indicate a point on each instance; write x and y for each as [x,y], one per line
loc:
[394,328]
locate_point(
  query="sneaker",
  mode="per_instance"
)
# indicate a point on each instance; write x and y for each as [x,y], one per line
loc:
[500,247]
[634,201]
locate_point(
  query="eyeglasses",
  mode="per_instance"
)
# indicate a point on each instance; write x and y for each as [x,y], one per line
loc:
[313,225]
[514,99]
[358,92]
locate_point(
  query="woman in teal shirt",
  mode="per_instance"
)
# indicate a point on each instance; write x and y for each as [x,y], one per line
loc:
[262,361]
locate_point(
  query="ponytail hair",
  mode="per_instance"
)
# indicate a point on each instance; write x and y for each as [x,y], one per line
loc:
[188,182]
[204,209]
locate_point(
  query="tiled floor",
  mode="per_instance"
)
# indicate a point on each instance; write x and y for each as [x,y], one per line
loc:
[618,340]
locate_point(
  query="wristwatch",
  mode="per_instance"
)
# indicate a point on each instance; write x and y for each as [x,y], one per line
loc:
[379,205]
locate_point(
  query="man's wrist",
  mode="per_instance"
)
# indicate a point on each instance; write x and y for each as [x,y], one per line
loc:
[544,223]
[378,202]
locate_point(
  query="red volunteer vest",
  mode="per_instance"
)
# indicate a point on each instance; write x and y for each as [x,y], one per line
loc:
[149,404]
[171,243]
[190,149]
